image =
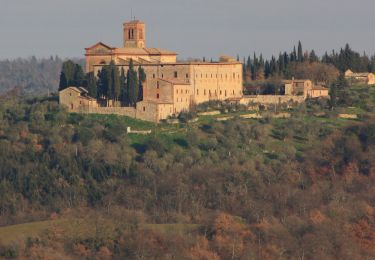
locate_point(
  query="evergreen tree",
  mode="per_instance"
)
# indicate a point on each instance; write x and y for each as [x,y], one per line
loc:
[78,76]
[115,82]
[91,84]
[67,75]
[141,81]
[132,84]
[103,83]
[267,70]
[300,52]
[313,57]
[63,81]
[333,95]
[123,87]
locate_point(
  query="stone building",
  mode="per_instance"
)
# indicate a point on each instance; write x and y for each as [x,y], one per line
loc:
[77,99]
[171,86]
[365,77]
[305,88]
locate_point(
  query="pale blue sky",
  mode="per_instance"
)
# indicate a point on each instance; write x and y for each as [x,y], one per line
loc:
[193,28]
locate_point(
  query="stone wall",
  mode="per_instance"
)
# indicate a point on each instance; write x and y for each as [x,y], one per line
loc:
[271,99]
[122,111]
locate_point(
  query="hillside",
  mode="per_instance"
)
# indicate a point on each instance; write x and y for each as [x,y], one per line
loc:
[32,76]
[78,186]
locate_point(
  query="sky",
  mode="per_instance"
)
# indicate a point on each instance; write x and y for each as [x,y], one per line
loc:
[192,28]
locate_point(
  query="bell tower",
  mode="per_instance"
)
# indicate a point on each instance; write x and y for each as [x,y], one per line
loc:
[134,34]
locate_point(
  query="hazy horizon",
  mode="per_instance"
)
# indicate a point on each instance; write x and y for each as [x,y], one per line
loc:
[192,28]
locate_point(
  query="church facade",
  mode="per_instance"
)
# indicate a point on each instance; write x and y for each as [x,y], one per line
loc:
[171,86]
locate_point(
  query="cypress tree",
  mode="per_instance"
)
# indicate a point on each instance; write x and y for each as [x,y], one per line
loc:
[123,87]
[141,80]
[63,81]
[91,84]
[115,82]
[78,76]
[132,84]
[300,52]
[67,75]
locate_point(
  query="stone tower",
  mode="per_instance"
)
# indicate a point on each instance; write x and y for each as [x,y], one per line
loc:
[134,34]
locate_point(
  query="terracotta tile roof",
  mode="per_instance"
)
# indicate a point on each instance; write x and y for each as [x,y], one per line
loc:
[100,44]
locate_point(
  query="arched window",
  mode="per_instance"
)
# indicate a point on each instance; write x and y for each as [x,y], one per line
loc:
[102,62]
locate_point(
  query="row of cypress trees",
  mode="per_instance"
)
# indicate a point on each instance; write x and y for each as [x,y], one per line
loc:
[110,83]
[258,68]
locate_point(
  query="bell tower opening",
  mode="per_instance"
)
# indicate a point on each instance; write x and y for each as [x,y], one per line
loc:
[134,34]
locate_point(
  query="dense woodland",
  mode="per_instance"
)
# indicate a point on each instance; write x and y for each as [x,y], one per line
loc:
[297,188]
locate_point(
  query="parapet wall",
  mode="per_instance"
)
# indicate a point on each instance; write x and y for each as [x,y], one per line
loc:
[271,99]
[122,111]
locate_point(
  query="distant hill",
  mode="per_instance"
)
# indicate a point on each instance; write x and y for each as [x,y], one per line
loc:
[34,76]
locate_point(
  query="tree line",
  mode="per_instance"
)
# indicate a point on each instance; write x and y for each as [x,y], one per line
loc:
[109,85]
[257,68]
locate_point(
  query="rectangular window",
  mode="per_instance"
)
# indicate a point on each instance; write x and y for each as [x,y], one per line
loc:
[175,74]
[157,95]
[197,92]
[204,92]
[187,75]
[153,75]
[144,108]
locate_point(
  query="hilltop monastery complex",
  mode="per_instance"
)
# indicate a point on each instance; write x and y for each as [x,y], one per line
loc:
[171,86]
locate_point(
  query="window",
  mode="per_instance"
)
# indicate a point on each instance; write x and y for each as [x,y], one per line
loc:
[70,93]
[186,91]
[153,75]
[209,92]
[162,75]
[225,93]
[187,75]
[197,92]
[157,84]
[220,92]
[144,108]
[80,102]
[71,106]
[233,92]
[157,95]
[234,75]
[177,91]
[175,74]
[204,92]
